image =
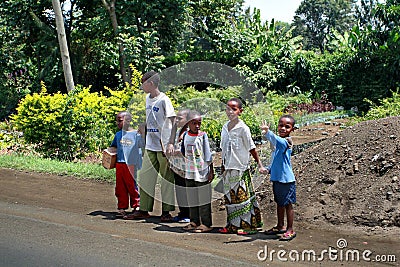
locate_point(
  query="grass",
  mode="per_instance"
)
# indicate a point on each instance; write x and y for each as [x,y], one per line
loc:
[75,169]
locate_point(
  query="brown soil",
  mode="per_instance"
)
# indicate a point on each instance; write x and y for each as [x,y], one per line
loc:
[351,177]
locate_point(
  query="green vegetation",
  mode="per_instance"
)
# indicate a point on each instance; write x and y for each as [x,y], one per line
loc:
[388,107]
[349,49]
[23,156]
[75,169]
[69,126]
[344,51]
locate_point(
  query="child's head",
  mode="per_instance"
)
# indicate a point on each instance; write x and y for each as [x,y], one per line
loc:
[123,119]
[150,81]
[286,125]
[194,121]
[234,108]
[182,117]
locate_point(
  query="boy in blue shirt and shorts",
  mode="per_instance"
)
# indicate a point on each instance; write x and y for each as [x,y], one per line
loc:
[282,176]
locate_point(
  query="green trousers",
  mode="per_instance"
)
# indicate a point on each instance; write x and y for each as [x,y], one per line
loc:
[155,168]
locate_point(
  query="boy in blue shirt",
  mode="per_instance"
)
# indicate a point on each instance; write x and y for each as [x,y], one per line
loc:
[282,176]
[128,143]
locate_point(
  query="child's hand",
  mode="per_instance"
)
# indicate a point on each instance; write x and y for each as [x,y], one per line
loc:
[263,170]
[142,129]
[264,127]
[170,150]
[222,169]
[211,174]
[290,141]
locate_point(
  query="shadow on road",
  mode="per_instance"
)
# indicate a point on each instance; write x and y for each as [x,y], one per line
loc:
[106,214]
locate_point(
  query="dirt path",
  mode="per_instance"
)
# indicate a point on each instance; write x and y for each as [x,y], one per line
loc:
[90,205]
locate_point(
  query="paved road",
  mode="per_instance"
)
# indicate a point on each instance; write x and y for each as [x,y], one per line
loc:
[48,220]
[33,242]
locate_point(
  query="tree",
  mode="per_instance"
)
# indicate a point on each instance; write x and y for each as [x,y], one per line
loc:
[69,79]
[166,18]
[26,50]
[315,20]
[208,24]
[364,14]
[110,6]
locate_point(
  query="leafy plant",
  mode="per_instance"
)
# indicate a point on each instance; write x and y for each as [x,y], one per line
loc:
[389,106]
[69,126]
[318,105]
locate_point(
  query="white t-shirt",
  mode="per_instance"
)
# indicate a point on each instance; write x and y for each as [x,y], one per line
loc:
[235,145]
[196,149]
[158,111]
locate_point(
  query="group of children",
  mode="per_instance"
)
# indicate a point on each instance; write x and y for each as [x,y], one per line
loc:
[176,149]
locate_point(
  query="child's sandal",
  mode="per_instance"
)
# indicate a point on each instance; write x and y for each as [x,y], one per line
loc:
[275,231]
[203,229]
[246,232]
[191,226]
[121,213]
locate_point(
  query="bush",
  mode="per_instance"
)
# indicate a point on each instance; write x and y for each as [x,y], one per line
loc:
[388,107]
[38,116]
[70,126]
[180,95]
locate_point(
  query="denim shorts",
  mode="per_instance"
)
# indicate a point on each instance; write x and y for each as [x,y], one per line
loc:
[284,193]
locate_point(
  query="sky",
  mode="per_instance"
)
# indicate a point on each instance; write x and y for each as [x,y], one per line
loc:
[282,10]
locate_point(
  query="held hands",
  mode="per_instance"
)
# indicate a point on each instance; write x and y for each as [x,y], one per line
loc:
[263,170]
[170,150]
[142,129]
[211,174]
[264,127]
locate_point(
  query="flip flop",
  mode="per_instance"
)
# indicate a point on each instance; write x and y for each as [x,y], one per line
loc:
[275,231]
[202,229]
[225,230]
[246,232]
[287,236]
[121,213]
[184,220]
[166,218]
[190,226]
[181,219]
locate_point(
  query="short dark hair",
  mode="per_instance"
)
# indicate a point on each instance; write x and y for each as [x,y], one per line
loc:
[240,103]
[125,114]
[185,111]
[293,121]
[152,76]
[192,114]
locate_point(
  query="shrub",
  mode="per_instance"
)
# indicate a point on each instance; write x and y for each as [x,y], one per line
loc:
[70,126]
[388,107]
[59,123]
[38,115]
[213,126]
[180,95]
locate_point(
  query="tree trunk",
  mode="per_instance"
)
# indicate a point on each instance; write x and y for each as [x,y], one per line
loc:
[111,10]
[62,39]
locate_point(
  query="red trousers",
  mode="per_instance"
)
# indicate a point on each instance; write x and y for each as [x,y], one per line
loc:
[125,186]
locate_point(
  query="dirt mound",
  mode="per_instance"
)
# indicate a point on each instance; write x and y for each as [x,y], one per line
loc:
[349,178]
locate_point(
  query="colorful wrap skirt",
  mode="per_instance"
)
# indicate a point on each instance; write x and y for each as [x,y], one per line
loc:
[242,207]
